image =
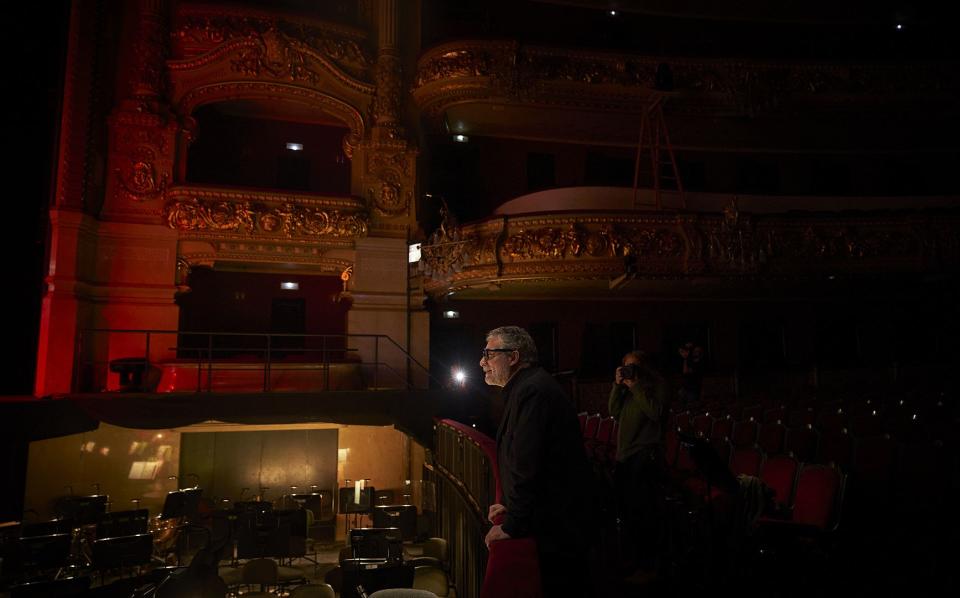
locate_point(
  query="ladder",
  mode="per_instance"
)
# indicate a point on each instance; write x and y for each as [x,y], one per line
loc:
[653,139]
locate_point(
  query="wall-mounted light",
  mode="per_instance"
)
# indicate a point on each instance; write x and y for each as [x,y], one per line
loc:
[295,147]
[413,255]
[290,286]
[460,138]
[451,314]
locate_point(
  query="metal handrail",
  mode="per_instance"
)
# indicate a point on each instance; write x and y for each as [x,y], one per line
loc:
[208,354]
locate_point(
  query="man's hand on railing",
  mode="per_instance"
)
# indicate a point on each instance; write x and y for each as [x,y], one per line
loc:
[494,512]
[496,534]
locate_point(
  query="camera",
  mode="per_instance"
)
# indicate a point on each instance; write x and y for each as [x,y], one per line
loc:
[629,371]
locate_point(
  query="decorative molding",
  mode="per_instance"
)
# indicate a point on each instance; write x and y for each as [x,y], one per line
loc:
[266,45]
[209,213]
[474,70]
[546,248]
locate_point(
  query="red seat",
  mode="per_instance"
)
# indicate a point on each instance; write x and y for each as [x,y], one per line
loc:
[836,448]
[779,472]
[723,427]
[771,437]
[818,497]
[590,426]
[802,416]
[744,433]
[775,414]
[703,425]
[746,461]
[671,445]
[802,443]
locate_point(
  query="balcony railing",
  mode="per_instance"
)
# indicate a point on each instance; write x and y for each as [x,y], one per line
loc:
[563,246]
[187,361]
[466,488]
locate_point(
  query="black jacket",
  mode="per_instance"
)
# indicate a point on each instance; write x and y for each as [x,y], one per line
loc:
[544,473]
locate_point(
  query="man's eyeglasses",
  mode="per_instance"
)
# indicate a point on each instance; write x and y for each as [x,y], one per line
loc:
[488,353]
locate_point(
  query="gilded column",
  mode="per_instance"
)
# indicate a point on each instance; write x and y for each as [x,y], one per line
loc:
[389,172]
[142,140]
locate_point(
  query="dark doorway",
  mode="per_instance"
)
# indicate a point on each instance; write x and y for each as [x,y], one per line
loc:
[288,316]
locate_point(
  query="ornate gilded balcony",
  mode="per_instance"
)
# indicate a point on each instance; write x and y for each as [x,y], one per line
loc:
[490,84]
[596,250]
[263,225]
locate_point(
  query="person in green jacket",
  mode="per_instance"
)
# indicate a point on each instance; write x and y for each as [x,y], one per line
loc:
[638,402]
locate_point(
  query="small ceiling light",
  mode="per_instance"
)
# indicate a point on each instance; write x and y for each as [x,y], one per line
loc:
[899,26]
[451,314]
[613,13]
[290,286]
[460,138]
[295,147]
[413,254]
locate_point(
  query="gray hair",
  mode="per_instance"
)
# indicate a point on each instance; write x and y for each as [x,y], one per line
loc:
[514,337]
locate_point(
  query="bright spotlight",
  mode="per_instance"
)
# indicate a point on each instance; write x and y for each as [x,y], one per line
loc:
[459,376]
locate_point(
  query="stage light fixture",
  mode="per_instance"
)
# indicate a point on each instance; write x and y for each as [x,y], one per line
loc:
[290,286]
[295,147]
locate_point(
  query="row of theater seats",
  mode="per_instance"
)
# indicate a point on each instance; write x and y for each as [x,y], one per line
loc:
[599,437]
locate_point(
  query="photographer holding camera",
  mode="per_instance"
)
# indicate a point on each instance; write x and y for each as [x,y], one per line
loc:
[638,402]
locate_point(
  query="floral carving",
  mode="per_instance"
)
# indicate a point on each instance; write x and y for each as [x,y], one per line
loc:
[200,31]
[288,219]
[604,245]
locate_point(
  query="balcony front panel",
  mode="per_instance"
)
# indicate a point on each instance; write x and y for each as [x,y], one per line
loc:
[556,250]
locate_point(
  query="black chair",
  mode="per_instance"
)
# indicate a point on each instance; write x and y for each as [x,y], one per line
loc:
[373,575]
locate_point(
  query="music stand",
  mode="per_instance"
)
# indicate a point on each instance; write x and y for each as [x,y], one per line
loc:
[123,523]
[348,504]
[122,551]
[181,503]
[84,510]
[42,553]
[46,528]
[403,517]
[377,543]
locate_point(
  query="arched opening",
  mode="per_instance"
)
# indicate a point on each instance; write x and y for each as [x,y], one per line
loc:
[255,303]
[270,145]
